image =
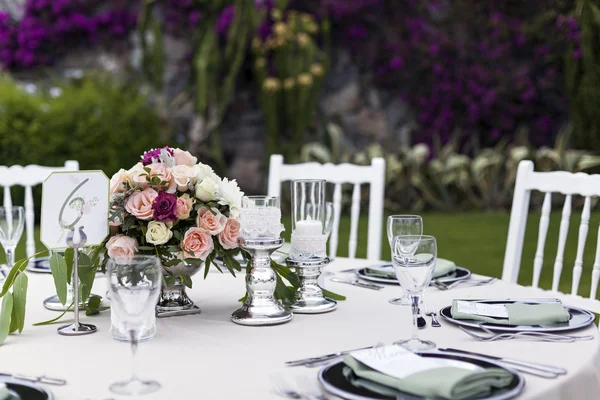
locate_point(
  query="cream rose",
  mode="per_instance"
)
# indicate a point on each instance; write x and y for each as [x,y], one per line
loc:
[139,203]
[204,171]
[213,222]
[121,248]
[184,206]
[229,235]
[158,233]
[117,182]
[197,243]
[183,157]
[133,177]
[207,190]
[182,176]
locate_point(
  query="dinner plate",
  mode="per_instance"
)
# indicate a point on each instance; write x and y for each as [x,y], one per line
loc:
[458,274]
[579,318]
[26,390]
[334,382]
[41,264]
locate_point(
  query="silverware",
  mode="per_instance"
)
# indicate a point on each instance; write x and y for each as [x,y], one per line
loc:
[543,336]
[543,370]
[39,379]
[356,282]
[472,282]
[348,270]
[326,357]
[525,300]
[430,312]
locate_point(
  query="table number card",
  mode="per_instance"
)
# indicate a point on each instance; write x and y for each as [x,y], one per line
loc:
[71,200]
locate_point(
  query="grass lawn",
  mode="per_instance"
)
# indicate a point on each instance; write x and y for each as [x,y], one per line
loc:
[476,240]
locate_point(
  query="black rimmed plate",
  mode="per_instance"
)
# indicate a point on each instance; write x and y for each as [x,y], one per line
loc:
[26,390]
[458,274]
[334,382]
[579,319]
[41,264]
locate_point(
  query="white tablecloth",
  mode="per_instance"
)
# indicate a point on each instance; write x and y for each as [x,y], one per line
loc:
[208,357]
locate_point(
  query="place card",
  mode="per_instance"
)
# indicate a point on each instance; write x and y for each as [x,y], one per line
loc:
[396,361]
[71,200]
[484,309]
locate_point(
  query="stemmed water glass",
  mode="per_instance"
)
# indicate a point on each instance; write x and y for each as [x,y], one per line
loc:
[134,287]
[414,258]
[11,229]
[403,225]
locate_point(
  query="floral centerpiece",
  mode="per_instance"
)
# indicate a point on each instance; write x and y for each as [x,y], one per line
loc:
[171,206]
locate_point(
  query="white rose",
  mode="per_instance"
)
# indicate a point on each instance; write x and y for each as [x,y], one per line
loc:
[182,175]
[133,173]
[204,171]
[158,233]
[207,190]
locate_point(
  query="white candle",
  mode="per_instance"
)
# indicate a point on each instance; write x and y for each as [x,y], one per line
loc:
[308,227]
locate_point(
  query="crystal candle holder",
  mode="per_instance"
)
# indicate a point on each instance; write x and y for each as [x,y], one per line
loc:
[308,254]
[260,230]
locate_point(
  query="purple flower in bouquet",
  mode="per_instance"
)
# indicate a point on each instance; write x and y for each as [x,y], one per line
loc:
[225,19]
[165,207]
[150,156]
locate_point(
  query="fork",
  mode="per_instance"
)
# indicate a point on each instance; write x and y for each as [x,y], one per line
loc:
[430,312]
[547,337]
[471,282]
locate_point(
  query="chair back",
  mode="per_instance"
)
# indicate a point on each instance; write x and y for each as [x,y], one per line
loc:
[373,174]
[568,184]
[28,176]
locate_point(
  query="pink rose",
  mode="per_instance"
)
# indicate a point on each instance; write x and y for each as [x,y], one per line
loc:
[160,171]
[213,222]
[121,248]
[229,235]
[197,243]
[139,203]
[183,157]
[183,176]
[184,206]
[117,182]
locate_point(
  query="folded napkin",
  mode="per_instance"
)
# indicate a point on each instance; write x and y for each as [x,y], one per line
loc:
[450,383]
[521,314]
[442,267]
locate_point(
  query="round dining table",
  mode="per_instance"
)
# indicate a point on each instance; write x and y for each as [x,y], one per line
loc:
[206,356]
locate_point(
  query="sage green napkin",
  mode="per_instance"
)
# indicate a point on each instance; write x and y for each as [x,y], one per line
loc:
[521,314]
[450,383]
[442,267]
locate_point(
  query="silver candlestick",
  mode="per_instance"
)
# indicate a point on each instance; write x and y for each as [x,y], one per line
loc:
[261,307]
[309,297]
[76,328]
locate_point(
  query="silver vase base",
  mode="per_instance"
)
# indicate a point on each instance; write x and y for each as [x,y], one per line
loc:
[166,312]
[52,303]
[317,305]
[273,314]
[77,329]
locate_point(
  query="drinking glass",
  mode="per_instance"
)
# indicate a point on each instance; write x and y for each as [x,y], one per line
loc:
[134,287]
[414,258]
[11,229]
[328,228]
[403,225]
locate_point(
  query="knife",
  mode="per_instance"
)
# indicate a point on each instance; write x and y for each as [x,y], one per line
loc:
[546,371]
[358,283]
[36,379]
[326,357]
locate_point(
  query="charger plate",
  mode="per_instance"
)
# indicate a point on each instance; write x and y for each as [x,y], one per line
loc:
[334,382]
[459,274]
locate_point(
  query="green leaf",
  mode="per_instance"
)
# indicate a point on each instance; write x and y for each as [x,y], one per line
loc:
[92,307]
[169,280]
[69,253]
[177,235]
[87,274]
[332,295]
[19,301]
[207,264]
[186,279]
[54,320]
[58,266]
[18,267]
[146,248]
[5,316]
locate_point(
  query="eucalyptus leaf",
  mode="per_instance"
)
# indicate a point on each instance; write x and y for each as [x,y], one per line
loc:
[87,274]
[84,259]
[19,301]
[332,295]
[58,266]
[69,254]
[54,320]
[17,268]
[5,316]
[92,307]
[187,280]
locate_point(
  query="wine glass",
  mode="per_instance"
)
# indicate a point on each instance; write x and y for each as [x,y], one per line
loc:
[11,229]
[414,258]
[403,225]
[328,228]
[134,287]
